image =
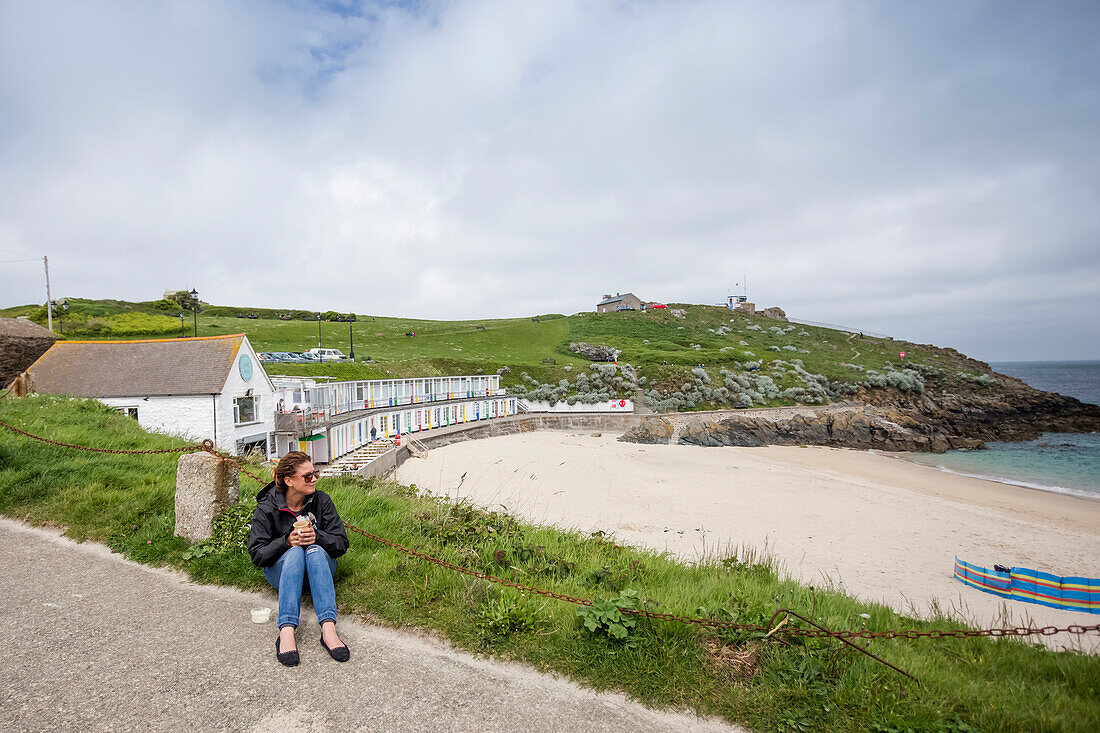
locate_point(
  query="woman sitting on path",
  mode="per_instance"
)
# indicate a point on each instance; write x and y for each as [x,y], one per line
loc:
[297,534]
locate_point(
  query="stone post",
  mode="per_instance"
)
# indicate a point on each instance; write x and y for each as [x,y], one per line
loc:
[205,485]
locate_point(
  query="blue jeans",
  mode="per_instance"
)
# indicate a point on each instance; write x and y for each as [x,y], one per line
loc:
[287,576]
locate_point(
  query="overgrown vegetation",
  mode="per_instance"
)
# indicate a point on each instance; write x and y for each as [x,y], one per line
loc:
[126,502]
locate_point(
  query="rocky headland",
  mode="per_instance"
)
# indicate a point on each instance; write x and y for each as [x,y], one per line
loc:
[885,419]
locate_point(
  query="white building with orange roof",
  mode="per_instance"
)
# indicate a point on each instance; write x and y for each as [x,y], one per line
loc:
[211,387]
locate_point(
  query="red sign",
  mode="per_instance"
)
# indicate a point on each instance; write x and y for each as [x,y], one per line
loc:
[902,354]
[622,403]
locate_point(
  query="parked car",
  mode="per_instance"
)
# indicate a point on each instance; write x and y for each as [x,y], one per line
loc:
[329,354]
[308,357]
[264,356]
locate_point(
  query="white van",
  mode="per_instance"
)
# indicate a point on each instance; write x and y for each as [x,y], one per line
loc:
[329,354]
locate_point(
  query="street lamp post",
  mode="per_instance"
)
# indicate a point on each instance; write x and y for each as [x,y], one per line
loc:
[195,309]
[182,327]
[319,335]
[351,336]
[61,308]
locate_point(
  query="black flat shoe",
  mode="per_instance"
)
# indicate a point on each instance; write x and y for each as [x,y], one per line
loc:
[289,659]
[339,653]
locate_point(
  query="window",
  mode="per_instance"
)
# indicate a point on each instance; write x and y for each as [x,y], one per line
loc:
[244,410]
[128,411]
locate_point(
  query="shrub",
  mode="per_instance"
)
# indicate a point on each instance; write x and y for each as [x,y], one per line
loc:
[701,374]
[906,380]
[985,380]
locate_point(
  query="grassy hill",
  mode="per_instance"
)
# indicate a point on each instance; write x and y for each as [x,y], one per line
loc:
[708,358]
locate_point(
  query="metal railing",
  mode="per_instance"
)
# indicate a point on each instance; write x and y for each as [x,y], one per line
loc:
[311,420]
[422,399]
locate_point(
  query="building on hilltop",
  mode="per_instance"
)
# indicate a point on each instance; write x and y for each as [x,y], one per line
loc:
[211,387]
[617,302]
[741,303]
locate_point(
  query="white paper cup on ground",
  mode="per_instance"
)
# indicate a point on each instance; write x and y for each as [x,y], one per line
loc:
[261,615]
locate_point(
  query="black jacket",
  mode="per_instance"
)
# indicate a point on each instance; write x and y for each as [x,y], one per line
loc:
[272,523]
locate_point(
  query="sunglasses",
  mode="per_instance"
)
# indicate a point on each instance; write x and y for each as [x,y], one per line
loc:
[311,476]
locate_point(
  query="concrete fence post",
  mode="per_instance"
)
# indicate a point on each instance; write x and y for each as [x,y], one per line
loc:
[205,485]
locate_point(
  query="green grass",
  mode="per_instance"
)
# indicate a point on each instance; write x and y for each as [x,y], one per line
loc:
[452,347]
[126,502]
[656,343]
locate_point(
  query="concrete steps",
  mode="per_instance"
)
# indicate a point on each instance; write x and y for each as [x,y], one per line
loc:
[352,462]
[640,407]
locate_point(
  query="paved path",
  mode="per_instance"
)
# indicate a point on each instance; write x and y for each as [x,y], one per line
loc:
[91,641]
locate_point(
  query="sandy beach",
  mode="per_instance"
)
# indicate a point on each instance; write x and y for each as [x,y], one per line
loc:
[880,528]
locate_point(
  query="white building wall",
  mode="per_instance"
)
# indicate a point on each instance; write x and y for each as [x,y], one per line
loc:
[201,417]
[235,386]
[190,417]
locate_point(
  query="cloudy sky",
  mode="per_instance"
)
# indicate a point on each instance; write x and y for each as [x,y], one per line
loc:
[929,170]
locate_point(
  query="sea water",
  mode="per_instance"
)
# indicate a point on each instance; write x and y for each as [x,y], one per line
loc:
[1063,462]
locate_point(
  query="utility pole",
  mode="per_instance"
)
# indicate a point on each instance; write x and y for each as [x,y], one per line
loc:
[49,302]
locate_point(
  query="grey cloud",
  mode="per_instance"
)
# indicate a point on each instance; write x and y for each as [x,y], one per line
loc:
[887,166]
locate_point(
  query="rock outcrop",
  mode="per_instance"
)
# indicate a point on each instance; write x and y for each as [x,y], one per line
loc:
[649,431]
[887,419]
[21,342]
[773,312]
[593,352]
[849,426]
[1016,411]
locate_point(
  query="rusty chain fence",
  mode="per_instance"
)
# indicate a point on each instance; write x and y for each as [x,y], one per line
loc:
[777,626]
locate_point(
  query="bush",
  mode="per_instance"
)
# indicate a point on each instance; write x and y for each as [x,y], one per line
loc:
[985,380]
[166,306]
[906,380]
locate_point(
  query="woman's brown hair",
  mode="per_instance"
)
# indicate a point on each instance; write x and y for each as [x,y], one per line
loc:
[287,467]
